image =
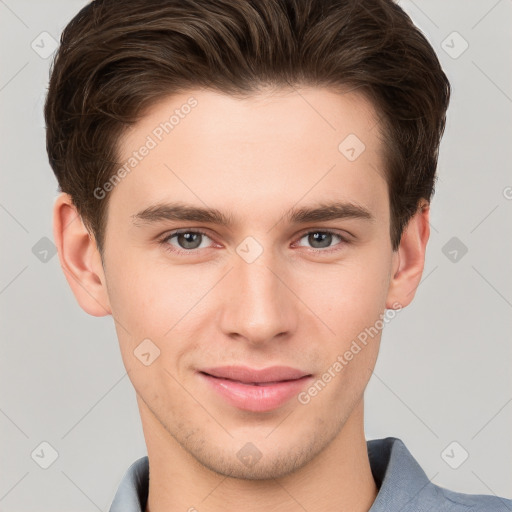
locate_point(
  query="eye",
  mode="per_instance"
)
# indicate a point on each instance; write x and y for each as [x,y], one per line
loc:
[184,241]
[320,240]
[187,241]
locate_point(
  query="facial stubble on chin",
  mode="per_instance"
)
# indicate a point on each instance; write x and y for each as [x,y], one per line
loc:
[194,441]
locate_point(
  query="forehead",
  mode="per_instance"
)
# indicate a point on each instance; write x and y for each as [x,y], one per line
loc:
[294,114]
[271,148]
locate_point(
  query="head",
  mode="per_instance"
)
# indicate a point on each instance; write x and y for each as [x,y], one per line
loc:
[261,124]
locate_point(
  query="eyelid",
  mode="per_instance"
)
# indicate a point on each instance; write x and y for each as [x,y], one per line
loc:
[345,240]
[167,236]
[340,232]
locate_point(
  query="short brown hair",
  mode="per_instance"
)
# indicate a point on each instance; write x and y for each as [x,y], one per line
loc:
[117,58]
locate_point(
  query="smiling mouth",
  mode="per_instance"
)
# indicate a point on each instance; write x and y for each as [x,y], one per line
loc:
[254,390]
[272,383]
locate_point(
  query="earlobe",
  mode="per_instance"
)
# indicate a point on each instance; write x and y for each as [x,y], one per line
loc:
[79,258]
[410,259]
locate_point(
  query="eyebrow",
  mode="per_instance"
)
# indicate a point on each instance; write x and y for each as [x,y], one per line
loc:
[182,212]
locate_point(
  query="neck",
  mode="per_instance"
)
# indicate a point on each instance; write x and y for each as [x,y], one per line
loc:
[339,478]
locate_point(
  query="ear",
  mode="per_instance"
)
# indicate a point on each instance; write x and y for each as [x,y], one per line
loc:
[409,259]
[79,258]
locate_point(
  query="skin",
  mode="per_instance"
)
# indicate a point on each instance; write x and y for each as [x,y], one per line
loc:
[254,159]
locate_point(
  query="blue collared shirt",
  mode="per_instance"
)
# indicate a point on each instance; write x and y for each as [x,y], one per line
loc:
[403,486]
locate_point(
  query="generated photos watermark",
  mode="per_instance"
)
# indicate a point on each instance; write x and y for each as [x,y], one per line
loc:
[152,140]
[343,360]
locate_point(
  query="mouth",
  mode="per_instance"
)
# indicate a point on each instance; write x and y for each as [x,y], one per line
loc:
[255,390]
[270,383]
[246,375]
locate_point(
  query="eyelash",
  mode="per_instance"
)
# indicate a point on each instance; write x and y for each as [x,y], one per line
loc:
[164,241]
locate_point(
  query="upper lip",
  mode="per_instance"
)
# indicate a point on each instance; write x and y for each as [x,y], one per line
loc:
[252,375]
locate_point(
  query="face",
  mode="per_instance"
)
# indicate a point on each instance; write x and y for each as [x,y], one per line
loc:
[266,282]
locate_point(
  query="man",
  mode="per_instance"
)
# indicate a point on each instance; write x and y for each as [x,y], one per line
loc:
[245,189]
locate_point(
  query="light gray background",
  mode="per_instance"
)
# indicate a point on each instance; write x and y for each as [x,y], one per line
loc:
[444,368]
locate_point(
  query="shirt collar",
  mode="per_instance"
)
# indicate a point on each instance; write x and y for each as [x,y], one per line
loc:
[400,479]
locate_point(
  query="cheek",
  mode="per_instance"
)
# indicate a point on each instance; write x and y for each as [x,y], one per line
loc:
[146,305]
[146,297]
[350,299]
[156,302]
[351,302]
[348,296]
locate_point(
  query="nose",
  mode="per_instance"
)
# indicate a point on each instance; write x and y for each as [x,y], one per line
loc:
[257,304]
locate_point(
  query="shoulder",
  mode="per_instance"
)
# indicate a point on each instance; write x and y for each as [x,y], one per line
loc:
[404,486]
[457,501]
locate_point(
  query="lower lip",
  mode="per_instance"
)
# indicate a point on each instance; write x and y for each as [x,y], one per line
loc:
[252,398]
